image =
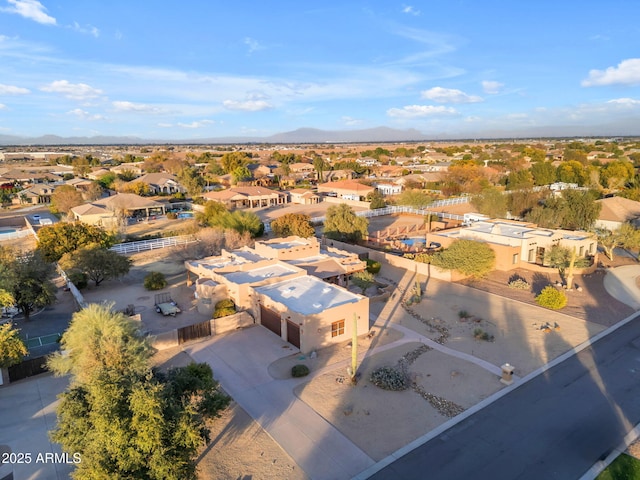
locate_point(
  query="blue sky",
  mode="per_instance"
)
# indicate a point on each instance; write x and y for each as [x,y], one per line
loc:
[198,68]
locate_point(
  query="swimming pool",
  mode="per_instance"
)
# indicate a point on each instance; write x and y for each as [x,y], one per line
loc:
[185,215]
[413,240]
[7,230]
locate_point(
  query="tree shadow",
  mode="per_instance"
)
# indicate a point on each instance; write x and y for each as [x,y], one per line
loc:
[538,282]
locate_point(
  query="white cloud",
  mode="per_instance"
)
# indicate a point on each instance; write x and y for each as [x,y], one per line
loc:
[12,90]
[124,106]
[408,9]
[247,106]
[196,124]
[626,73]
[449,95]
[253,44]
[89,29]
[349,121]
[3,106]
[491,87]
[74,91]
[31,9]
[414,111]
[84,115]
[625,102]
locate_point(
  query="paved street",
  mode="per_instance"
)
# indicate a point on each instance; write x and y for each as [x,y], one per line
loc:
[553,427]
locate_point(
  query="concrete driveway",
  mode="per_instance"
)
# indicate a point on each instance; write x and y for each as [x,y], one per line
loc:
[240,361]
[620,283]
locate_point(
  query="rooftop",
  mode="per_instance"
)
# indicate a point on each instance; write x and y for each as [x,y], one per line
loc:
[308,295]
[259,274]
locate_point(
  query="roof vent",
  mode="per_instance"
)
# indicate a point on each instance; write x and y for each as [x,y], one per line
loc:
[317,305]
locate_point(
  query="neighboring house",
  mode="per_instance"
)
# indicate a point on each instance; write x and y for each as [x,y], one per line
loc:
[94,215]
[517,244]
[110,210]
[389,188]
[303,196]
[302,170]
[271,282]
[161,183]
[346,189]
[615,211]
[336,175]
[135,167]
[25,178]
[36,194]
[98,173]
[81,184]
[248,197]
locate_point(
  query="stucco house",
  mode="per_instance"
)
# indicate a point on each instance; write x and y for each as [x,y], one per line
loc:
[274,282]
[617,210]
[108,211]
[346,189]
[517,244]
[161,183]
[303,196]
[248,197]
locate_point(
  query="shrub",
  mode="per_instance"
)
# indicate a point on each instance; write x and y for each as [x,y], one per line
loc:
[422,258]
[223,312]
[373,266]
[79,279]
[155,281]
[172,215]
[226,303]
[389,378]
[480,334]
[299,371]
[552,298]
[519,284]
[463,314]
[466,256]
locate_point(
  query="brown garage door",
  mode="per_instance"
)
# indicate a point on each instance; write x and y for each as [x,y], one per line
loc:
[293,333]
[271,320]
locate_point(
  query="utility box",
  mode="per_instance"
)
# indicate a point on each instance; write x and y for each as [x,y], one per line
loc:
[507,374]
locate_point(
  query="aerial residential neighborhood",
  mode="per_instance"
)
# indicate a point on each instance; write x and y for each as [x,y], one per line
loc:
[345,296]
[337,241]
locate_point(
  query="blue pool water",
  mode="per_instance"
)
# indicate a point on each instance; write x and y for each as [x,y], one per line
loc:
[411,241]
[185,215]
[7,230]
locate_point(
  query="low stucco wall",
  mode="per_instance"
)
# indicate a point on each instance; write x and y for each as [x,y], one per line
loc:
[231,322]
[352,203]
[164,340]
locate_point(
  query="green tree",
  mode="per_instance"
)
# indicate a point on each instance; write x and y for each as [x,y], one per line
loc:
[12,347]
[519,179]
[581,209]
[413,198]
[319,166]
[60,238]
[293,224]
[232,160]
[466,256]
[96,262]
[571,172]
[363,280]
[190,178]
[627,236]
[341,223]
[32,286]
[240,174]
[64,198]
[616,174]
[544,173]
[125,419]
[376,200]
[491,202]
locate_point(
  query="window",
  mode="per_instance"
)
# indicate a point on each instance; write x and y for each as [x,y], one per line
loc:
[581,251]
[531,257]
[337,328]
[515,258]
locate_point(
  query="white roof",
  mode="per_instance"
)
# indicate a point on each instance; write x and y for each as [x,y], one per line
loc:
[308,295]
[259,274]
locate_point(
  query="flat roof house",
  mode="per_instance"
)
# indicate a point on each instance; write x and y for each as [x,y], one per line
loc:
[346,189]
[248,197]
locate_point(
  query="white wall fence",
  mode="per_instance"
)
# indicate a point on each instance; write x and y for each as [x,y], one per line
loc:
[144,245]
[14,235]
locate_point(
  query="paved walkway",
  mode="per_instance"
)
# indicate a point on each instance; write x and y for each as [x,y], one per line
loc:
[620,283]
[240,361]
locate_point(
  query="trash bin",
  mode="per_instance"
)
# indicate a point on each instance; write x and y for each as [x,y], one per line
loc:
[507,374]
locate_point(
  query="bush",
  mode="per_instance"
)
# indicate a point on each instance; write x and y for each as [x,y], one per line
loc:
[466,256]
[79,279]
[226,303]
[299,371]
[172,215]
[373,266]
[519,284]
[423,258]
[155,281]
[480,334]
[388,378]
[223,308]
[551,298]
[223,312]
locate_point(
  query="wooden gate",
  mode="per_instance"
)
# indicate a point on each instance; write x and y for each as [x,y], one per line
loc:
[193,332]
[28,368]
[293,333]
[271,320]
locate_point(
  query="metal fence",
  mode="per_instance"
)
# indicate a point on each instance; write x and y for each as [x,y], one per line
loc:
[144,245]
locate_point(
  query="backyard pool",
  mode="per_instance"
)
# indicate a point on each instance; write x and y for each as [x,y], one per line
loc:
[7,230]
[185,215]
[413,240]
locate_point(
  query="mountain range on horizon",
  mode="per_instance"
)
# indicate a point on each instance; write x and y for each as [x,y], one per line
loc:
[628,128]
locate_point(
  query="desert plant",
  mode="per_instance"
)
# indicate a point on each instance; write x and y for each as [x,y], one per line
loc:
[226,303]
[155,281]
[389,378]
[223,308]
[422,258]
[519,284]
[299,371]
[79,279]
[463,314]
[172,215]
[552,298]
[480,334]
[373,266]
